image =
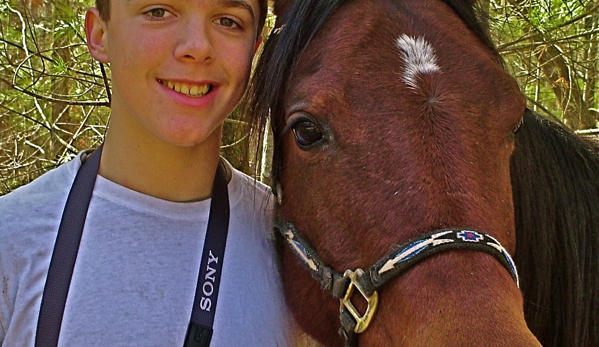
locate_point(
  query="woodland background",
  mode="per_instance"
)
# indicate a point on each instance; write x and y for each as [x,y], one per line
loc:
[54,100]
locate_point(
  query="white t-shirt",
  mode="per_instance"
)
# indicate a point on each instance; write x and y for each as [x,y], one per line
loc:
[136,272]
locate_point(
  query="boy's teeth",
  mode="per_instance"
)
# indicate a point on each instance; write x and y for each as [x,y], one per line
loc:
[193,90]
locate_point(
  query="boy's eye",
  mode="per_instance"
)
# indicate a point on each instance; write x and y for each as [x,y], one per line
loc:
[228,22]
[158,13]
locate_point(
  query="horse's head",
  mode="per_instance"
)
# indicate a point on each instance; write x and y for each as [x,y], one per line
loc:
[392,119]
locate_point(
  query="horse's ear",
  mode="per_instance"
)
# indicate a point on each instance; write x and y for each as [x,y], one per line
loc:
[282,8]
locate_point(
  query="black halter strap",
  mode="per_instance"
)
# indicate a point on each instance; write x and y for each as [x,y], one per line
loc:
[67,243]
[400,259]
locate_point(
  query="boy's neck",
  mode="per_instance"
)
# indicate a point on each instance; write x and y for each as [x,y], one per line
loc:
[162,170]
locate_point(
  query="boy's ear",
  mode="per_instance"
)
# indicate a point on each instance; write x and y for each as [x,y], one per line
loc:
[96,34]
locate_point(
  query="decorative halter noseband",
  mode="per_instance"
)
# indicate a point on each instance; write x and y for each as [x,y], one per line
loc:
[400,259]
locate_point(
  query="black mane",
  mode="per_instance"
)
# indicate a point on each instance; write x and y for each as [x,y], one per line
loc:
[282,51]
[555,182]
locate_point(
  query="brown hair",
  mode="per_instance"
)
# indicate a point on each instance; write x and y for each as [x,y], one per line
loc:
[103,7]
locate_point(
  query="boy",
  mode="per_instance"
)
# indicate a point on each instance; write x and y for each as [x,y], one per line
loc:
[179,67]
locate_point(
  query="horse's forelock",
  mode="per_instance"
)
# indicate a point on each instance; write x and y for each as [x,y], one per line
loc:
[281,10]
[281,54]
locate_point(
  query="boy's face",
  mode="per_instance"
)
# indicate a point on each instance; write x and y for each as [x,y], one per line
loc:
[179,67]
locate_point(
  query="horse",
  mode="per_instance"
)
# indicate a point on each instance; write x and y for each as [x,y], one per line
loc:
[402,145]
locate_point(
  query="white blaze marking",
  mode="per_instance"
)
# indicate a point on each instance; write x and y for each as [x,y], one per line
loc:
[419,58]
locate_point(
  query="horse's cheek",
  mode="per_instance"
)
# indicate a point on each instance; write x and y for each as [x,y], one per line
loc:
[320,321]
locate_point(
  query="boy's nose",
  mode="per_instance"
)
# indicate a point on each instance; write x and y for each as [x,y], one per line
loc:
[195,44]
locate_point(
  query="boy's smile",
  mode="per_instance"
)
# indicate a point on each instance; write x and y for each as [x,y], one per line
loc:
[191,94]
[189,89]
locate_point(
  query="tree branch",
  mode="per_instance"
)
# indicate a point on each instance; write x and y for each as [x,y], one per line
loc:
[50,99]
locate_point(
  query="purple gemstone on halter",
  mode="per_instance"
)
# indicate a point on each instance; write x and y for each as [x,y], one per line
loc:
[470,236]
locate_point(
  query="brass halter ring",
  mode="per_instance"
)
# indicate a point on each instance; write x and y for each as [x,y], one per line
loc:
[362,321]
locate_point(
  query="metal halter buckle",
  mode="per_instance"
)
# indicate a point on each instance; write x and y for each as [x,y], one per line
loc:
[362,322]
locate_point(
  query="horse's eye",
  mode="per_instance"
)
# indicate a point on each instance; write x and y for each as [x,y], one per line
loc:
[306,134]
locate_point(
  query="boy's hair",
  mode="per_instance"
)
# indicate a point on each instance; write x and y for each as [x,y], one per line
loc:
[103,7]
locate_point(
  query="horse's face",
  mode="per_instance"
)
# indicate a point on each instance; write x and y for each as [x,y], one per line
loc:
[398,121]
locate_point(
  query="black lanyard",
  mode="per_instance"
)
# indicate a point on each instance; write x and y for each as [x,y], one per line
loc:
[62,263]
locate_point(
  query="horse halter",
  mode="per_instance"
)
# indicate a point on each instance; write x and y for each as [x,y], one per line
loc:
[400,259]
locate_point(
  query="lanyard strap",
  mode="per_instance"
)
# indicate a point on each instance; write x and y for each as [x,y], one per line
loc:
[65,252]
[67,243]
[200,329]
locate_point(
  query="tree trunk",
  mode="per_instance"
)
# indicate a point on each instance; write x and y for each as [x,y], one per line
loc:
[569,96]
[560,75]
[60,85]
[591,56]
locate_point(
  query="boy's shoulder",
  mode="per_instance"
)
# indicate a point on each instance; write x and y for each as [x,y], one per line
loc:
[249,191]
[39,202]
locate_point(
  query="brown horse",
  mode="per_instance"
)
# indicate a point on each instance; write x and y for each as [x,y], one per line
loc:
[394,124]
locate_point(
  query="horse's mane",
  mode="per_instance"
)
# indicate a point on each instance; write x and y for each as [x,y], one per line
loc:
[555,180]
[283,50]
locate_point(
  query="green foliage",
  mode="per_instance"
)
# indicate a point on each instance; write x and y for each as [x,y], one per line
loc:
[52,92]
[550,46]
